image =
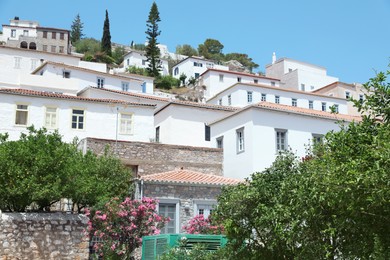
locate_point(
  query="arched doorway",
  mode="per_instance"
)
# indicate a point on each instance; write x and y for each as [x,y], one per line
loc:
[32,46]
[23,45]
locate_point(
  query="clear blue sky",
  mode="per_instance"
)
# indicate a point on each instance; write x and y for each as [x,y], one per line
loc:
[351,38]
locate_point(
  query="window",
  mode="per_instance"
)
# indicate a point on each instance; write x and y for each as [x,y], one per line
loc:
[51,117]
[204,209]
[263,97]
[219,142]
[61,49]
[336,108]
[44,47]
[100,82]
[196,75]
[21,115]
[45,34]
[311,104]
[125,86]
[62,36]
[323,106]
[311,87]
[229,100]
[294,102]
[249,95]
[240,140]
[13,33]
[289,70]
[255,81]
[157,134]
[53,35]
[273,83]
[220,102]
[238,79]
[25,32]
[126,121]
[33,64]
[303,87]
[176,71]
[206,132]
[198,64]
[281,140]
[277,99]
[144,62]
[220,77]
[53,48]
[317,138]
[66,74]
[347,94]
[17,62]
[361,98]
[168,210]
[128,62]
[77,119]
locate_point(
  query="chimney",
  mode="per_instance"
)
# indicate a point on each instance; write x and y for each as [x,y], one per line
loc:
[16,18]
[273,58]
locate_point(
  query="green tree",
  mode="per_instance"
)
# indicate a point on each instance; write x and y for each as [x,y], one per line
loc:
[106,39]
[76,31]
[244,59]
[88,46]
[211,49]
[118,54]
[186,49]
[152,52]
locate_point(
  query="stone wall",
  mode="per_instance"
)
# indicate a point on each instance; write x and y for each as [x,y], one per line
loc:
[149,158]
[43,236]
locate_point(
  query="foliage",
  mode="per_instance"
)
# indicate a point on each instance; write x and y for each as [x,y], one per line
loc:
[211,49]
[166,82]
[244,59]
[118,54]
[138,46]
[39,169]
[88,46]
[333,204]
[186,49]
[183,78]
[181,252]
[152,52]
[191,81]
[122,224]
[106,38]
[76,31]
[137,70]
[200,225]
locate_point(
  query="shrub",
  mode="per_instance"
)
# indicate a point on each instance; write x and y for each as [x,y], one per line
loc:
[166,82]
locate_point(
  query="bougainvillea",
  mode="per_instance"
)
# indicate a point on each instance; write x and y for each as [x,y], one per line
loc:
[122,224]
[201,225]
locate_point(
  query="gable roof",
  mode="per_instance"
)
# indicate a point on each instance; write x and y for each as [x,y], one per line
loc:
[131,94]
[189,177]
[83,69]
[44,94]
[237,73]
[197,105]
[195,58]
[73,55]
[296,61]
[293,110]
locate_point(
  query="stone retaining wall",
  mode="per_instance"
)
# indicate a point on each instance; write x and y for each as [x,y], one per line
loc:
[43,236]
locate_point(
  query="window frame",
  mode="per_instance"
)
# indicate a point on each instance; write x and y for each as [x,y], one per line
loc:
[157,134]
[125,85]
[51,117]
[128,129]
[221,77]
[263,97]
[240,140]
[294,102]
[77,121]
[347,95]
[53,35]
[65,73]
[229,100]
[100,82]
[277,99]
[279,138]
[21,110]
[207,133]
[176,202]
[317,138]
[323,106]
[44,35]
[219,142]
[311,104]
[13,33]
[249,97]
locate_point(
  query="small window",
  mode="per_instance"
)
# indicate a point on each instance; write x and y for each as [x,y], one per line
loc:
[176,71]
[238,79]
[323,106]
[157,134]
[289,70]
[361,98]
[62,36]
[229,100]
[347,94]
[61,49]
[256,81]
[277,99]
[317,138]
[44,47]
[21,115]
[13,33]
[294,102]
[53,48]
[196,75]
[220,77]
[66,74]
[17,62]
[168,210]
[126,121]
[263,97]
[281,140]
[240,140]
[311,104]
[302,87]
[25,32]
[128,62]
[51,117]
[220,102]
[45,34]
[77,119]
[53,35]
[336,108]
[219,142]
[100,82]
[206,132]
[249,96]
[273,83]
[125,86]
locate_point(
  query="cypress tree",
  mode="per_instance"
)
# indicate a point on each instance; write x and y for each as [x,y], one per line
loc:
[106,39]
[76,32]
[152,52]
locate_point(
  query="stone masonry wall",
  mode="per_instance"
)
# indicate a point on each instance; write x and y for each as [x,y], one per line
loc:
[43,236]
[155,157]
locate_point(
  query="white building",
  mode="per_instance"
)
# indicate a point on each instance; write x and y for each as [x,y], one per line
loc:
[139,60]
[194,66]
[185,123]
[252,137]
[215,80]
[300,75]
[74,116]
[243,94]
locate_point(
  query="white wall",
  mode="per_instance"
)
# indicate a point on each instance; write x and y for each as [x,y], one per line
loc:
[137,59]
[100,118]
[187,67]
[102,67]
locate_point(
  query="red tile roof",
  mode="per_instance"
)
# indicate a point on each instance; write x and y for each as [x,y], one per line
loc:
[27,92]
[189,177]
[238,73]
[132,94]
[199,105]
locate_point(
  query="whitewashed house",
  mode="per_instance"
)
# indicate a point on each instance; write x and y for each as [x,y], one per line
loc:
[252,137]
[244,94]
[74,117]
[194,67]
[185,123]
[300,75]
[215,80]
[139,60]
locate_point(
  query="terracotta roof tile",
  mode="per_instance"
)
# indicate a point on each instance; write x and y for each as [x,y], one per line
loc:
[238,73]
[189,177]
[27,92]
[132,94]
